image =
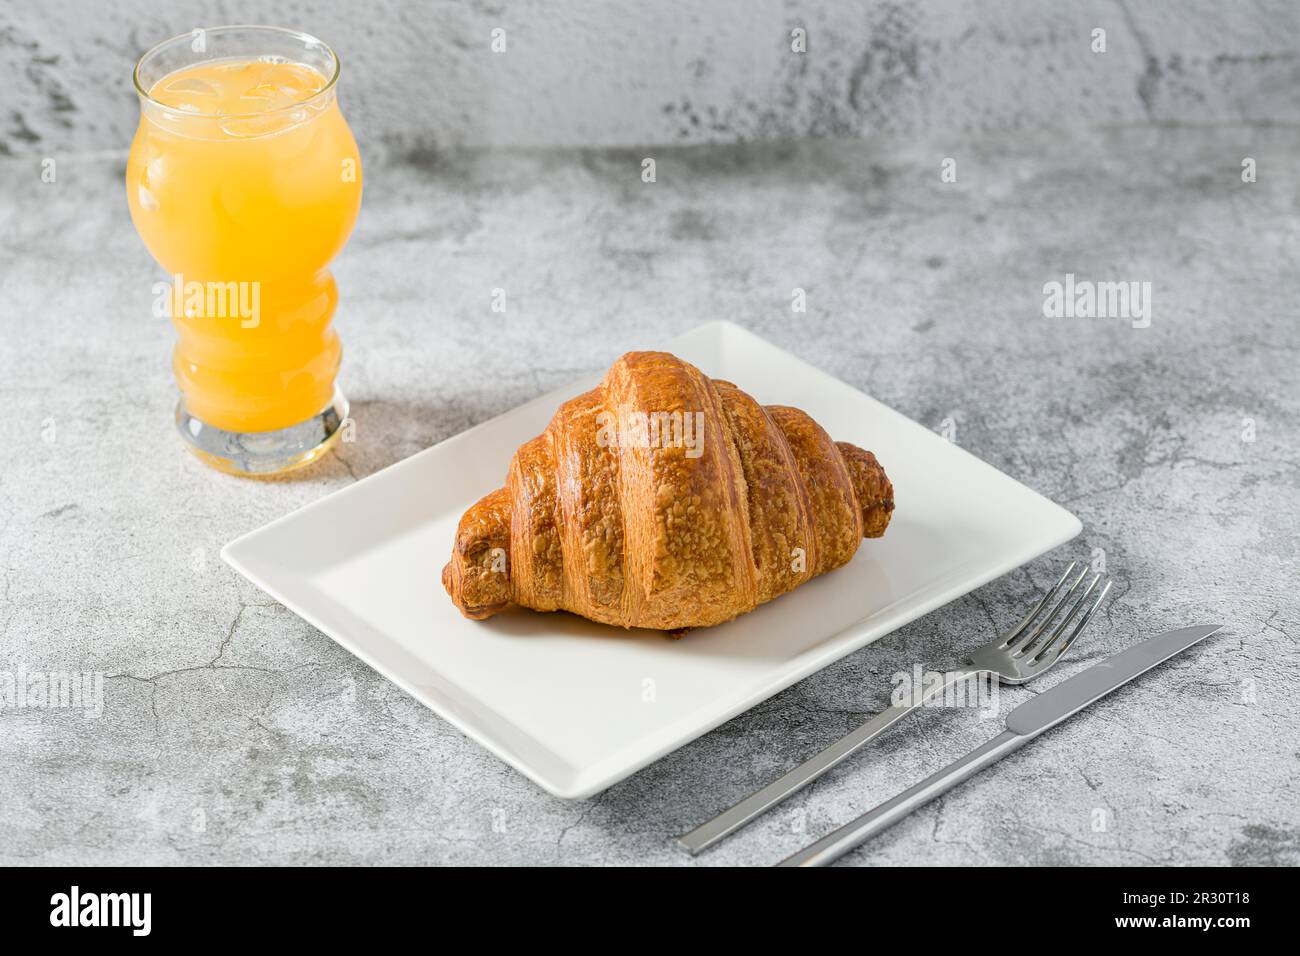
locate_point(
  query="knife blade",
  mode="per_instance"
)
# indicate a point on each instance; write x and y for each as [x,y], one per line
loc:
[1023,724]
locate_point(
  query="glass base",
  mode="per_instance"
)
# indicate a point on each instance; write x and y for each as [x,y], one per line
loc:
[264,453]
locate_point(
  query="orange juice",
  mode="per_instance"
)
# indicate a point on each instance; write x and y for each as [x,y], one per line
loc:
[244,180]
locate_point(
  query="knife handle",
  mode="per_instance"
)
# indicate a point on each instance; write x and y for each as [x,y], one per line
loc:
[856,832]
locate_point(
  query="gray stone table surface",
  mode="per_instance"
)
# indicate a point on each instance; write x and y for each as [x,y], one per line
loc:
[233,732]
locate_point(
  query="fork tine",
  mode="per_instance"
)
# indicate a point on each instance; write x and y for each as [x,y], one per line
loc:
[1083,622]
[1024,642]
[1064,626]
[1033,614]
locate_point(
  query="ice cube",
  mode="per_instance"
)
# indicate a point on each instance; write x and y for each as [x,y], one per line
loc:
[244,127]
[259,94]
[192,85]
[274,95]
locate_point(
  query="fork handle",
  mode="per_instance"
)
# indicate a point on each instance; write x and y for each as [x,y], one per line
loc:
[763,800]
[856,832]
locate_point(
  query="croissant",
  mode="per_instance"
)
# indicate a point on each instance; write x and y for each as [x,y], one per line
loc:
[666,499]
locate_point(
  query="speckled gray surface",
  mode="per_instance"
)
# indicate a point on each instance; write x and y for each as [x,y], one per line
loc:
[625,72]
[234,732]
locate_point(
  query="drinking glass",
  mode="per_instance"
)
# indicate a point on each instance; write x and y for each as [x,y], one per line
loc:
[244,183]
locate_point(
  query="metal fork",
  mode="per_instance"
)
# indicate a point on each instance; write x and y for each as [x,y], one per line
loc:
[1020,655]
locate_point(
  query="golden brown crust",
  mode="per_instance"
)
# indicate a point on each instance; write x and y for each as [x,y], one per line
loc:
[780,519]
[665,499]
[477,575]
[871,487]
[692,539]
[537,565]
[837,522]
[591,516]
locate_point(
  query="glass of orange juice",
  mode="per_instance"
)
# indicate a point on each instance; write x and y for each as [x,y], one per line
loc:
[244,182]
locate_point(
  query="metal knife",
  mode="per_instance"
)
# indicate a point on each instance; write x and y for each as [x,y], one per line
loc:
[1024,723]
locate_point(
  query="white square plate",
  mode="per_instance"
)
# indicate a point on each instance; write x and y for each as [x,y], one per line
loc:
[563,700]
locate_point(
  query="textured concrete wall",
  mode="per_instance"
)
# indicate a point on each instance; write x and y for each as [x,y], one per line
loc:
[624,72]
